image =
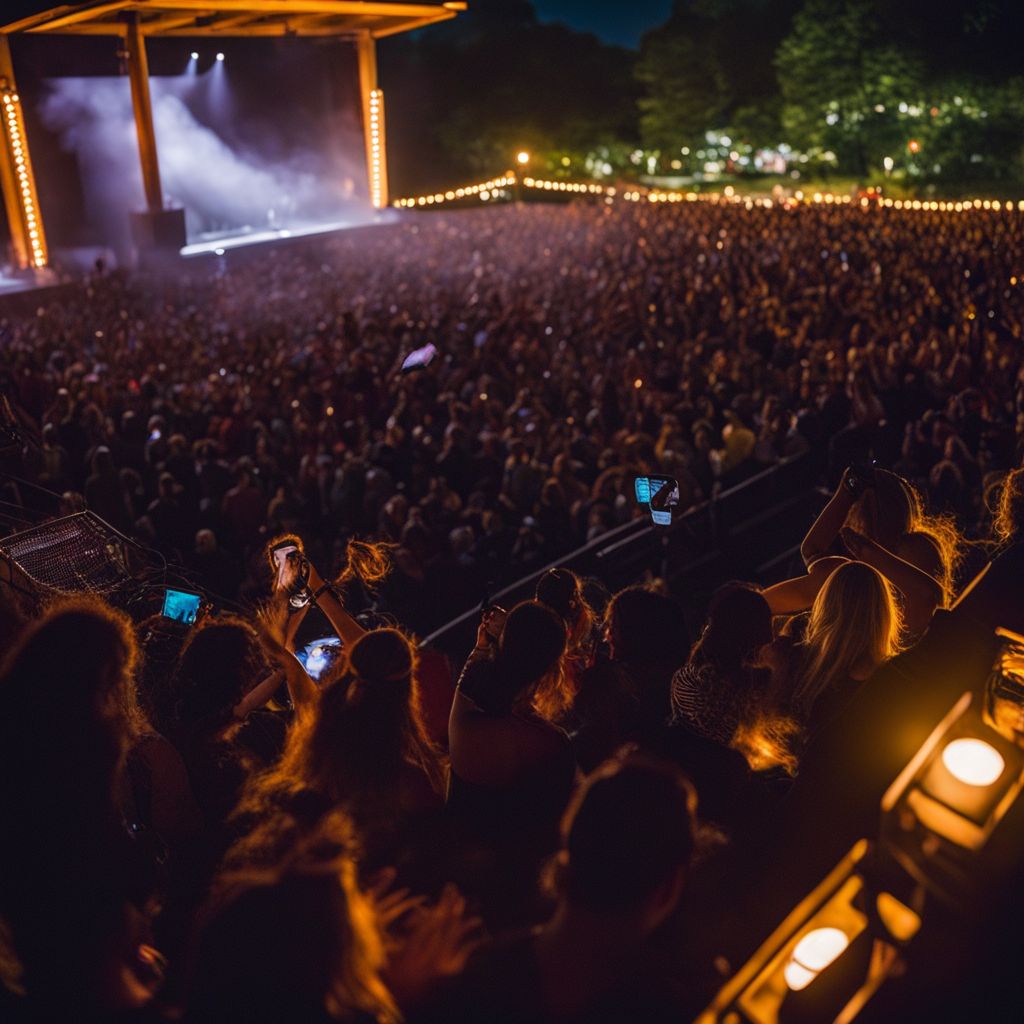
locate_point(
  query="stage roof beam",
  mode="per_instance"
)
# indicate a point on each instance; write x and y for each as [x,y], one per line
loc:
[244,17]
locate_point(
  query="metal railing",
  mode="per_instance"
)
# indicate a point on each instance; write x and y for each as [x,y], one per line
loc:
[724,525]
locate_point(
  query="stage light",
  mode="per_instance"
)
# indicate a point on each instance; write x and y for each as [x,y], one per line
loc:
[812,954]
[522,157]
[844,917]
[220,56]
[973,762]
[940,812]
[193,55]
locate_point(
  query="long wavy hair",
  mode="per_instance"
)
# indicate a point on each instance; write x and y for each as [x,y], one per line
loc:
[296,937]
[561,590]
[366,731]
[221,661]
[893,509]
[1009,518]
[70,668]
[855,625]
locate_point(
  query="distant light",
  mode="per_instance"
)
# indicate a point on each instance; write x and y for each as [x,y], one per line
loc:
[220,56]
[522,157]
[638,383]
[812,954]
[194,55]
[973,762]
[219,252]
[914,146]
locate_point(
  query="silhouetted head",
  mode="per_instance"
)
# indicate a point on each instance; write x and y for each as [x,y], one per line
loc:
[531,646]
[73,665]
[643,626]
[739,625]
[293,945]
[627,839]
[218,666]
[887,511]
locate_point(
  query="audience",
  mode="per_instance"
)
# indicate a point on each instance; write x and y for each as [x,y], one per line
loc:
[382,844]
[627,841]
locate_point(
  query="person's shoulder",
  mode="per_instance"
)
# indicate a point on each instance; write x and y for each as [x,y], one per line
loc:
[923,550]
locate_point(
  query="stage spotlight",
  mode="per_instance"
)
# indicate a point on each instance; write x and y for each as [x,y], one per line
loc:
[829,956]
[943,807]
[194,55]
[220,56]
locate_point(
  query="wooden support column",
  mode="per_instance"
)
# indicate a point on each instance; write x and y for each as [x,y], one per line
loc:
[16,178]
[373,120]
[138,73]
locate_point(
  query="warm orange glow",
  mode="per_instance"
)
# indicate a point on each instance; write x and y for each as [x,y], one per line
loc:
[812,954]
[973,762]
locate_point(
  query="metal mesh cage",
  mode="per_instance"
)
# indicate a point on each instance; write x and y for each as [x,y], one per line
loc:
[77,553]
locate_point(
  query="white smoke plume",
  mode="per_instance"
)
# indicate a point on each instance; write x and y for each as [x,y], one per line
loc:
[223,187]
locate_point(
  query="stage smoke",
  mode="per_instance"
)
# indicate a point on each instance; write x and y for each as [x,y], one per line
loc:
[225,186]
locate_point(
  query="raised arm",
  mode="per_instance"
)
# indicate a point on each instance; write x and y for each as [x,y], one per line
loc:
[277,632]
[921,592]
[344,625]
[798,594]
[828,524]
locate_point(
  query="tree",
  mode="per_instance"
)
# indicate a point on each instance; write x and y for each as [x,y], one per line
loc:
[711,66]
[842,82]
[684,90]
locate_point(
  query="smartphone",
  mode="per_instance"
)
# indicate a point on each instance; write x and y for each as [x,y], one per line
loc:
[319,655]
[660,494]
[281,556]
[860,476]
[181,606]
[419,357]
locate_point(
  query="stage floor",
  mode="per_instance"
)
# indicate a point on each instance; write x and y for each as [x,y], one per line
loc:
[217,246]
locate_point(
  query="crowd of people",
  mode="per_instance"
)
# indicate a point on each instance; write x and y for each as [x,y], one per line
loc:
[197,829]
[577,346]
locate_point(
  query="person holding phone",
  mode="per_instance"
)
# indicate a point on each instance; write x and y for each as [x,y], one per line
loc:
[878,516]
[511,770]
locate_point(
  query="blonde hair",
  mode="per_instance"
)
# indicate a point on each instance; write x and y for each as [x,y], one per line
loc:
[855,624]
[892,509]
[1009,517]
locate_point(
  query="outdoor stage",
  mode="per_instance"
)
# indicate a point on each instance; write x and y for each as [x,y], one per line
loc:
[160,227]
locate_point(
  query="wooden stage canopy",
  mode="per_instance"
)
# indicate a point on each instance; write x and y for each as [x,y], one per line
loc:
[362,22]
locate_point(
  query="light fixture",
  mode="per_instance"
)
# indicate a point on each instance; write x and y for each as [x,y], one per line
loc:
[1004,691]
[194,55]
[812,954]
[220,56]
[522,157]
[844,918]
[940,812]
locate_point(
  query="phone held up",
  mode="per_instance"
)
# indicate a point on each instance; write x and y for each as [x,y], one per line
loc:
[859,477]
[292,569]
[181,606]
[660,494]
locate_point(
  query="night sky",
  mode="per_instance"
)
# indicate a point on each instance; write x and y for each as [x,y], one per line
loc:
[615,21]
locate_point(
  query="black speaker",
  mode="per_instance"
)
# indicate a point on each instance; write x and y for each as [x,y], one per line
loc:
[161,231]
